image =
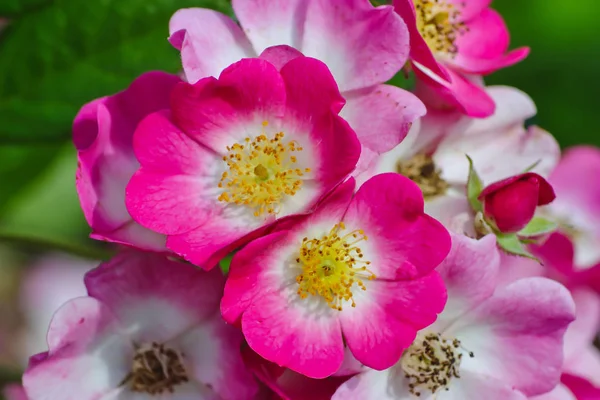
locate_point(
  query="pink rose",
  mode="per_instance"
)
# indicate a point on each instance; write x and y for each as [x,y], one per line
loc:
[510,203]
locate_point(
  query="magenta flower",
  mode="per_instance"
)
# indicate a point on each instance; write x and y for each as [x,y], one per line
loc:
[363,47]
[14,392]
[434,154]
[499,342]
[103,134]
[150,326]
[452,42]
[577,206]
[511,203]
[358,271]
[234,154]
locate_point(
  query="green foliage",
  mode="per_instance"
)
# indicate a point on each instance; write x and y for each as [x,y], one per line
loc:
[538,226]
[474,187]
[512,245]
[57,55]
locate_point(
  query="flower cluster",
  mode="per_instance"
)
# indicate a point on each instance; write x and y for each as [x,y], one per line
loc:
[383,243]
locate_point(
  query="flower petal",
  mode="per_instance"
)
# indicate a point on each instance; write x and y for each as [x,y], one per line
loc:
[208,40]
[403,242]
[347,36]
[86,358]
[395,108]
[516,335]
[388,315]
[133,286]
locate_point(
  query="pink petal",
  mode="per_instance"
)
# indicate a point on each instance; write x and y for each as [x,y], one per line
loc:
[215,112]
[133,286]
[419,50]
[86,358]
[513,107]
[389,384]
[212,353]
[470,273]
[290,385]
[209,42]
[456,93]
[496,154]
[585,328]
[303,335]
[560,392]
[403,242]
[470,385]
[396,110]
[280,55]
[249,275]
[470,8]
[347,36]
[314,101]
[103,132]
[266,24]
[516,336]
[582,389]
[387,317]
[482,48]
[14,391]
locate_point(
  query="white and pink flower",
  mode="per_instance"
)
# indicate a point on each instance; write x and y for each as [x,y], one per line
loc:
[363,47]
[499,342]
[103,133]
[235,154]
[577,211]
[453,43]
[434,154]
[359,272]
[148,326]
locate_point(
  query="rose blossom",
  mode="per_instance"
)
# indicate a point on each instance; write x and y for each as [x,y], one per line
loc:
[103,133]
[434,154]
[358,271]
[344,34]
[452,43]
[148,326]
[500,342]
[234,154]
[510,203]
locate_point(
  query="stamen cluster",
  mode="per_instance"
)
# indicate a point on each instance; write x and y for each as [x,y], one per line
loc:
[422,170]
[261,173]
[332,265]
[156,369]
[437,23]
[431,362]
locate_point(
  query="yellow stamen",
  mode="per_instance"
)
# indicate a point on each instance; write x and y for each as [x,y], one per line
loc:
[437,23]
[333,266]
[262,172]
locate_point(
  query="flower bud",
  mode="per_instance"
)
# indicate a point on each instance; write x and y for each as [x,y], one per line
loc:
[510,204]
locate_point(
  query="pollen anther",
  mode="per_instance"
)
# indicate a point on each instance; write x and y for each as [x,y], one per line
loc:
[261,172]
[333,266]
[437,24]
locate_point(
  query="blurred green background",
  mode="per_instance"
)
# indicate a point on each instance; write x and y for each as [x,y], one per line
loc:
[55,55]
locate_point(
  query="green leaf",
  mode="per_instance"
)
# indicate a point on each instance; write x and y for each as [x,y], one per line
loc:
[225,263]
[511,244]
[538,226]
[56,55]
[532,166]
[403,79]
[474,187]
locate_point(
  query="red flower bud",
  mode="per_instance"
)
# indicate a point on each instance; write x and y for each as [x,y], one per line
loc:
[510,203]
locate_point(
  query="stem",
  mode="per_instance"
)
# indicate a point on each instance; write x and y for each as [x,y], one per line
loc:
[76,249]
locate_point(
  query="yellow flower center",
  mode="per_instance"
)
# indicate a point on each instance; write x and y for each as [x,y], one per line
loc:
[431,362]
[332,266]
[261,173]
[436,21]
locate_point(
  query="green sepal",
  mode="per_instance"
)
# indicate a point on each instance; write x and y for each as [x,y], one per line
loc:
[512,245]
[538,226]
[532,166]
[225,263]
[474,187]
